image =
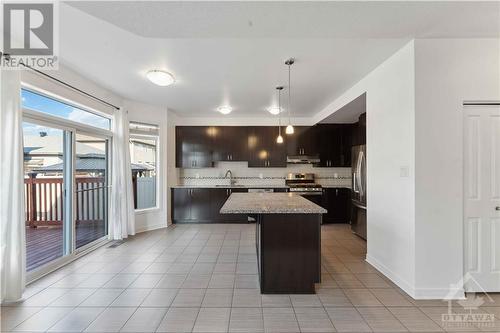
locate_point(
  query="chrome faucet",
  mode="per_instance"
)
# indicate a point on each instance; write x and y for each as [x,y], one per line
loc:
[231,180]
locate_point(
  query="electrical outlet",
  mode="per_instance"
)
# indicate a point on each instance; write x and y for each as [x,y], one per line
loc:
[404,171]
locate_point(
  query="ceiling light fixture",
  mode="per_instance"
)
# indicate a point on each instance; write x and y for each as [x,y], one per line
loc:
[225,109]
[274,110]
[289,129]
[159,77]
[279,139]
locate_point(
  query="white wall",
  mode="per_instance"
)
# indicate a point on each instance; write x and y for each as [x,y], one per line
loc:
[71,77]
[172,172]
[150,219]
[447,73]
[414,121]
[390,111]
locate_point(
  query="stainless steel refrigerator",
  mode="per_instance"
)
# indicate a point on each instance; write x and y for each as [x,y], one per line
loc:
[358,188]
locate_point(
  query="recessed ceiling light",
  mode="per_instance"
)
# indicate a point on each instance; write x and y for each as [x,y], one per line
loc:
[161,78]
[225,109]
[274,110]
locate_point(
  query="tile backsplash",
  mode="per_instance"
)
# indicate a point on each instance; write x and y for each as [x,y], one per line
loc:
[261,176]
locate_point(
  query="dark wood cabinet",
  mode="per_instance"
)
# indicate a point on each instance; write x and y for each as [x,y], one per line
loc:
[302,141]
[202,146]
[288,252]
[191,204]
[218,197]
[181,203]
[194,146]
[337,201]
[263,150]
[334,143]
[230,143]
[359,131]
[202,205]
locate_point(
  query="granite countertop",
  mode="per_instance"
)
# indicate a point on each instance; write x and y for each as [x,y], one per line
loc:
[229,186]
[250,186]
[335,186]
[269,203]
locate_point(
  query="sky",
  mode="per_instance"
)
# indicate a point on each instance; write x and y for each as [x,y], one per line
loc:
[36,102]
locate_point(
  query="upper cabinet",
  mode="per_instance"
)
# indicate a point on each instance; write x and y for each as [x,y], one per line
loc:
[203,146]
[359,131]
[230,143]
[193,146]
[334,144]
[302,141]
[263,151]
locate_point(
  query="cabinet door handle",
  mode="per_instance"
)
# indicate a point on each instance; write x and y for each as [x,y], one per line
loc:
[337,192]
[231,157]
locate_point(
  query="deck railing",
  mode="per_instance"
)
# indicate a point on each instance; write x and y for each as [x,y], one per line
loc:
[44,204]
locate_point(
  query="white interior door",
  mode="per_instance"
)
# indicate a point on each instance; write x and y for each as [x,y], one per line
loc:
[482,198]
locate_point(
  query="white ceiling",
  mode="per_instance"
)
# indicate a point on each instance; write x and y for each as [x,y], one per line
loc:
[233,52]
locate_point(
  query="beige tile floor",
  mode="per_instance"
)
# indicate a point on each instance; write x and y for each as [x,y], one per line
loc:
[203,278]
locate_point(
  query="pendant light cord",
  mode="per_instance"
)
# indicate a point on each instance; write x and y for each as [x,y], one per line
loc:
[289,95]
[279,112]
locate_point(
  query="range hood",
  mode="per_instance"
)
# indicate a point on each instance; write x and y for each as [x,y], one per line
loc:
[303,159]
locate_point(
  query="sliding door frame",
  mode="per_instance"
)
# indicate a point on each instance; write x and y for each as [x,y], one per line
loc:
[70,128]
[108,138]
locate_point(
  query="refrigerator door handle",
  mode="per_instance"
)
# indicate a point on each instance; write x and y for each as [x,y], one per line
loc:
[354,183]
[358,171]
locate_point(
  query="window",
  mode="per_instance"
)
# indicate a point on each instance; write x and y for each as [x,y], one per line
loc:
[37,102]
[143,157]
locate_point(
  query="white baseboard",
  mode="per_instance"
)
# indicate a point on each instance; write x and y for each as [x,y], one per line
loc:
[439,293]
[415,293]
[395,278]
[151,227]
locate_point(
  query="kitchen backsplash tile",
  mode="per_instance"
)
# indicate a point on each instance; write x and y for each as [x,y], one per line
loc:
[261,176]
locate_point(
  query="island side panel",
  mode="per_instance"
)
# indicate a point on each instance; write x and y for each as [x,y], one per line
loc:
[289,252]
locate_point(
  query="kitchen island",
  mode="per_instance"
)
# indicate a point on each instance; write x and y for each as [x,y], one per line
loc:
[288,239]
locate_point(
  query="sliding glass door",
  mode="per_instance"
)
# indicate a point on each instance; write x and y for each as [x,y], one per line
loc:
[66,168]
[47,177]
[91,189]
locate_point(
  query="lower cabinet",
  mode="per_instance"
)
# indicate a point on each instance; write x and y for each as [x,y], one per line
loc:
[202,205]
[337,201]
[218,197]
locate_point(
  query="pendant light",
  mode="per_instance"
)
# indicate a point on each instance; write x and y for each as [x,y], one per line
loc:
[279,139]
[289,128]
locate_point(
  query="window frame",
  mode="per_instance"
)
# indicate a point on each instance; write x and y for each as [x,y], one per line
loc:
[42,92]
[156,138]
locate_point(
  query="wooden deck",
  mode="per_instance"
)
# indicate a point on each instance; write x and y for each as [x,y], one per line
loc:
[44,244]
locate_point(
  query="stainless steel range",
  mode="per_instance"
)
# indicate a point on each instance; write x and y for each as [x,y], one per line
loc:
[305,185]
